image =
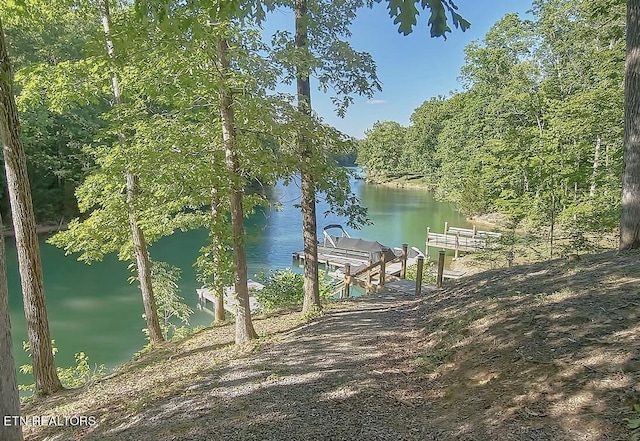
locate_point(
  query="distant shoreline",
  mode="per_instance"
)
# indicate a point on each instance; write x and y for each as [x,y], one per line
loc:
[401,182]
[493,220]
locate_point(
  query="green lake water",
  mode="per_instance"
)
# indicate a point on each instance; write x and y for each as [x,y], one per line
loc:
[93,308]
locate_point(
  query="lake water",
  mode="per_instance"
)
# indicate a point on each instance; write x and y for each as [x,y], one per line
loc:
[93,308]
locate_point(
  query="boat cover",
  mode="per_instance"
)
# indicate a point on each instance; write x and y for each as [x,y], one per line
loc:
[374,248]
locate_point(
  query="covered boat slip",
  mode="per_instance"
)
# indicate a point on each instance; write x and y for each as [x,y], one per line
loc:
[338,250]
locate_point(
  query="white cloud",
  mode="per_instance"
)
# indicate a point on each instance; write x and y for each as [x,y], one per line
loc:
[376,102]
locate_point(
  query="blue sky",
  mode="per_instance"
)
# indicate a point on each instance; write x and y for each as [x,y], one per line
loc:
[412,68]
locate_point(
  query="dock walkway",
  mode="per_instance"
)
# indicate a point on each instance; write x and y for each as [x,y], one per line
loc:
[463,239]
[335,258]
[405,286]
[230,301]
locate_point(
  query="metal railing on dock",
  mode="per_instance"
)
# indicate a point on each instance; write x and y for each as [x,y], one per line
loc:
[462,239]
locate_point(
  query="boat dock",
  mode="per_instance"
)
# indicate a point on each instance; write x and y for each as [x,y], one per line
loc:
[463,239]
[337,259]
[230,302]
[338,251]
[371,264]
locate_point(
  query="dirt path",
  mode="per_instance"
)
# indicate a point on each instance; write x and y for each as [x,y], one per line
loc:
[335,379]
[544,352]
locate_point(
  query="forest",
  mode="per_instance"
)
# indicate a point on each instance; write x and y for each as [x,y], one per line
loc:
[536,133]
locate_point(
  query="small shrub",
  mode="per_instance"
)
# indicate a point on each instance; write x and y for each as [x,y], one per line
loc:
[285,288]
[282,288]
[428,277]
[311,315]
[171,306]
[70,377]
[80,374]
[327,290]
[184,332]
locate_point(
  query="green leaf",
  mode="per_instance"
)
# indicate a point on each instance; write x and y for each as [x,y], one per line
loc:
[405,13]
[438,18]
[459,21]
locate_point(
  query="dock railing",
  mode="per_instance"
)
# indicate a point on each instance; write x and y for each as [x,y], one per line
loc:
[366,276]
[462,239]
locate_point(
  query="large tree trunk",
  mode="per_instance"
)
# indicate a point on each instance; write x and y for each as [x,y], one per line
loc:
[244,325]
[143,265]
[9,397]
[308,199]
[630,216]
[310,237]
[24,225]
[139,244]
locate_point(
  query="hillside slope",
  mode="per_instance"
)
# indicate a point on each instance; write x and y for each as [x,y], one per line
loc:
[539,352]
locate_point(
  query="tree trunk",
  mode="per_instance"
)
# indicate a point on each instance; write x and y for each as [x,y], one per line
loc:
[244,325]
[596,164]
[219,312]
[309,227]
[143,265]
[553,224]
[308,199]
[216,243]
[630,216]
[139,244]
[44,371]
[9,397]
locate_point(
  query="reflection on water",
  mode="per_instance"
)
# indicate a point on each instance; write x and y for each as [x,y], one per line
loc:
[93,308]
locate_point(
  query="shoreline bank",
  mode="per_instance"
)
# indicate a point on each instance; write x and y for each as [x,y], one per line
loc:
[489,220]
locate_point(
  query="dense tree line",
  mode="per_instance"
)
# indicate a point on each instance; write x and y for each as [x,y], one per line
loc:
[47,50]
[537,131]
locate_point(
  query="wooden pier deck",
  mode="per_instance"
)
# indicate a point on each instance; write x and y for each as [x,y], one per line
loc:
[456,242]
[335,258]
[463,239]
[230,303]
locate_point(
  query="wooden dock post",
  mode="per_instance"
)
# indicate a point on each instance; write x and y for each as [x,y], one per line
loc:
[446,227]
[347,280]
[440,269]
[426,247]
[419,275]
[383,270]
[474,232]
[403,261]
[457,250]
